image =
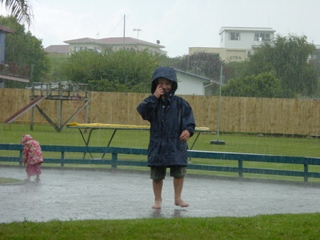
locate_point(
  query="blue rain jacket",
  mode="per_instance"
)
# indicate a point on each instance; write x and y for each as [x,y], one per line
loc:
[167,123]
[168,118]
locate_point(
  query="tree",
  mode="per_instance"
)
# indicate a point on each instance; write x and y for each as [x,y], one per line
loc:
[106,85]
[288,58]
[200,63]
[262,85]
[23,49]
[118,71]
[84,66]
[19,9]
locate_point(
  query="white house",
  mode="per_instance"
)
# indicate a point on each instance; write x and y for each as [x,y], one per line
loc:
[316,55]
[191,84]
[244,37]
[114,44]
[238,43]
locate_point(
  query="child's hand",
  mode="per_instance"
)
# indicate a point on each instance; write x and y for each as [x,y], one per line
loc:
[185,135]
[159,91]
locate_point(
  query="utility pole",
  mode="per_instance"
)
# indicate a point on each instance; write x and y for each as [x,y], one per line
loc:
[137,30]
[124,32]
[220,142]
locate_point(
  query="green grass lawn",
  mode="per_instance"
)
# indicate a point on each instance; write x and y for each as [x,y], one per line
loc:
[286,146]
[9,180]
[284,226]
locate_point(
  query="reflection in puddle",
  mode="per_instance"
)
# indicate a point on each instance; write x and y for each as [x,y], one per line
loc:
[178,212]
[156,213]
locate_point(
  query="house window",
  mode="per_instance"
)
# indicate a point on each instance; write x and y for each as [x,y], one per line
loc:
[235,36]
[267,38]
[259,37]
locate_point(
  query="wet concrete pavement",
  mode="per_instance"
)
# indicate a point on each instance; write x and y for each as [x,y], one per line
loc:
[87,194]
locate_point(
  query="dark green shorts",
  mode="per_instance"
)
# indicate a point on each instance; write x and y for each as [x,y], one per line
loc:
[159,173]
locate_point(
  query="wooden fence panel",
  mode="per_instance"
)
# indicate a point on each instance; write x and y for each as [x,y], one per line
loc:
[254,115]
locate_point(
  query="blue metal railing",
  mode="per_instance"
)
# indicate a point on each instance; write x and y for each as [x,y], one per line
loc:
[114,161]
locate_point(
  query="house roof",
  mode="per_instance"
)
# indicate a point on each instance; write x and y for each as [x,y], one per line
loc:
[113,41]
[59,49]
[82,40]
[198,77]
[246,29]
[6,29]
[193,75]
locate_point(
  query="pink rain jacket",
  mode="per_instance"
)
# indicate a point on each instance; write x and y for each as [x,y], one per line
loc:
[32,153]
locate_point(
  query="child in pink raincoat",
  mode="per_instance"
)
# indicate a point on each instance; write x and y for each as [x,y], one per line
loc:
[32,156]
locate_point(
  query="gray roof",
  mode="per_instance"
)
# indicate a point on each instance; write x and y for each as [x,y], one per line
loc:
[198,77]
[58,49]
[5,29]
[246,29]
[113,41]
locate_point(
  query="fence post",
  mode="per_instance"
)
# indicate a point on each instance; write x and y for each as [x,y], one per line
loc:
[62,159]
[240,166]
[305,172]
[20,162]
[114,160]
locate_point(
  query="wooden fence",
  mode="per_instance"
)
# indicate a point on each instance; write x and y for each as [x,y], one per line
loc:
[246,115]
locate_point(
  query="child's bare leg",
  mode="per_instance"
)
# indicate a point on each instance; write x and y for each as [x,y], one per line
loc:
[178,185]
[157,189]
[27,171]
[37,178]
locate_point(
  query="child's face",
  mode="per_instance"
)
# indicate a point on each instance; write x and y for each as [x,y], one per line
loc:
[165,84]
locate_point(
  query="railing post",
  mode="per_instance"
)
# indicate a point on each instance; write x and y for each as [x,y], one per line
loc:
[305,172]
[114,160]
[62,159]
[20,162]
[240,166]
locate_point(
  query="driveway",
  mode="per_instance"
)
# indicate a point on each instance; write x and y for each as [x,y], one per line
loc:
[88,194]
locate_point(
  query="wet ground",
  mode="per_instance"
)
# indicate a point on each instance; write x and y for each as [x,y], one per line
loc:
[87,194]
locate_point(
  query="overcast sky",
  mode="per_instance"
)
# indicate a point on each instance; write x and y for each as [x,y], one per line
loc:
[178,24]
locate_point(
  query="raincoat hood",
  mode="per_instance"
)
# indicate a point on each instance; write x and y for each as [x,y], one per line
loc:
[167,73]
[26,138]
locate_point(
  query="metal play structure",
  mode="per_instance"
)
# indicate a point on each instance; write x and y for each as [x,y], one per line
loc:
[56,91]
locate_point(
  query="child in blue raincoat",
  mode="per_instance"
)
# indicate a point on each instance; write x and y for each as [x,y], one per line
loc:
[172,124]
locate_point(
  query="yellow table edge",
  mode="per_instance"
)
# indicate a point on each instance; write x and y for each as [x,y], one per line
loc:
[120,126]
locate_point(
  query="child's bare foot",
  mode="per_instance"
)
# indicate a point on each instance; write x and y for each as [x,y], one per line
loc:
[37,178]
[181,203]
[157,204]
